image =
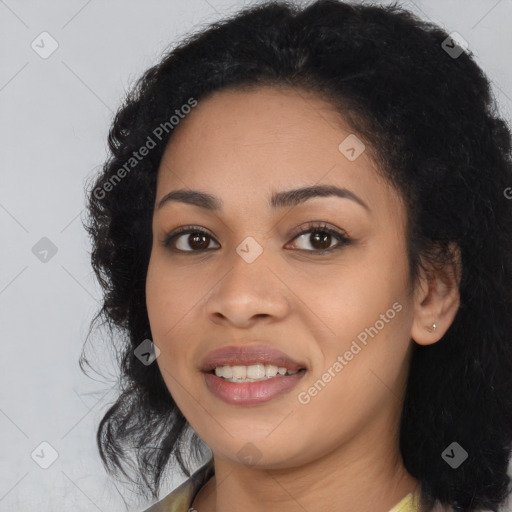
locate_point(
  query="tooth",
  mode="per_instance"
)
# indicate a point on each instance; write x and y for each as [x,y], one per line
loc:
[270,370]
[223,371]
[239,372]
[227,372]
[255,371]
[251,373]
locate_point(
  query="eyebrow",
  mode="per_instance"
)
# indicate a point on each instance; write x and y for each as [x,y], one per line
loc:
[278,199]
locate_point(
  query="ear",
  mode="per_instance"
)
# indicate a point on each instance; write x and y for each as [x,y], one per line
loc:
[436,300]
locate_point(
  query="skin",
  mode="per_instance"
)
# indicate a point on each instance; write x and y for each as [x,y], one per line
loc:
[339,451]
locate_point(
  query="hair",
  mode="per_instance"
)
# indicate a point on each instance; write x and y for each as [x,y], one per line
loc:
[432,123]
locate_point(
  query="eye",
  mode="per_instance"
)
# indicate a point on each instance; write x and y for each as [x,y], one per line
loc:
[197,237]
[320,237]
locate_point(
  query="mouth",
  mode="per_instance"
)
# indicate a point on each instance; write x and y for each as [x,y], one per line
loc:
[252,392]
[250,374]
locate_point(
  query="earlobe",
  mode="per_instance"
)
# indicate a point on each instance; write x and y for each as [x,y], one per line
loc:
[431,329]
[432,320]
[437,300]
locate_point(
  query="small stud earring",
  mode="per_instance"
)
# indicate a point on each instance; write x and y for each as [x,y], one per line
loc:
[432,329]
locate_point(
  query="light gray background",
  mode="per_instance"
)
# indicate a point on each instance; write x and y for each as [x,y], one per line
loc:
[55,116]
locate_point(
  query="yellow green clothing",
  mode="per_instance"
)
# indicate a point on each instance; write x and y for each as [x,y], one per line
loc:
[180,500]
[408,504]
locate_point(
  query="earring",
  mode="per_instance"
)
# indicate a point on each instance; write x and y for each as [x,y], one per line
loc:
[432,329]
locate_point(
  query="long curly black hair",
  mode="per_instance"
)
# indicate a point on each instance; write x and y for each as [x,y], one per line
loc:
[427,112]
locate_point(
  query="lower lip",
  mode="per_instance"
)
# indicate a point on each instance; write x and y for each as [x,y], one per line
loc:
[247,393]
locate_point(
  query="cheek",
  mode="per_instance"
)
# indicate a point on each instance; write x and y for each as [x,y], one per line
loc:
[168,299]
[156,297]
[170,303]
[162,303]
[368,312]
[356,297]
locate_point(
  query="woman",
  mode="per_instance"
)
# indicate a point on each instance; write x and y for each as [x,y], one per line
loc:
[304,238]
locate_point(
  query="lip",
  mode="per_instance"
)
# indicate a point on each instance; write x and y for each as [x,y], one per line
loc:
[251,393]
[246,355]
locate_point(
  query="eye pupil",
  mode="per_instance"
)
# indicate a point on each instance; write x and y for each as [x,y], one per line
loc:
[320,235]
[195,237]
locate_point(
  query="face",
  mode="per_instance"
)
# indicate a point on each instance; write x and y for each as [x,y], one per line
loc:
[323,279]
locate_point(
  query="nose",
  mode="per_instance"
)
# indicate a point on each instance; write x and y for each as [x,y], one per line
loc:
[248,293]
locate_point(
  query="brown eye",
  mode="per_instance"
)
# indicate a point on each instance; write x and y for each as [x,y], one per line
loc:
[197,240]
[320,238]
[194,239]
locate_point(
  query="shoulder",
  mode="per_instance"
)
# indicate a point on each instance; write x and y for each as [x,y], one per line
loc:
[182,497]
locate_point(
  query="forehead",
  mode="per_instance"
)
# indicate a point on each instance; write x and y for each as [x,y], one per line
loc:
[264,120]
[254,141]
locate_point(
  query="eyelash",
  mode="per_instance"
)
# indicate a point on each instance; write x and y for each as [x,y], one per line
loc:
[312,227]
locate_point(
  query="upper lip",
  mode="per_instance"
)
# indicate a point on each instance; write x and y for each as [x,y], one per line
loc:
[246,355]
